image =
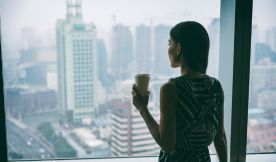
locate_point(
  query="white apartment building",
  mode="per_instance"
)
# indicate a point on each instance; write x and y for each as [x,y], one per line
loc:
[76,50]
[129,133]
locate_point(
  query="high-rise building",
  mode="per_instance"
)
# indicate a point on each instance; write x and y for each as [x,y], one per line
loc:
[271,38]
[35,64]
[102,62]
[254,40]
[77,58]
[143,49]
[214,29]
[129,133]
[122,51]
[261,77]
[160,50]
[262,51]
[266,99]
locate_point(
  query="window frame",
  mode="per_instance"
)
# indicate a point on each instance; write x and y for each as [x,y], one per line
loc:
[3,141]
[235,46]
[234,71]
[241,71]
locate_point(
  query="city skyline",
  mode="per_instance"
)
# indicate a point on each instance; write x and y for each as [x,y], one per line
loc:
[93,13]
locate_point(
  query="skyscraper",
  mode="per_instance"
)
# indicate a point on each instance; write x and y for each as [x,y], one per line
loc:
[102,62]
[143,49]
[160,50]
[262,77]
[271,38]
[122,51]
[262,51]
[254,41]
[77,73]
[129,133]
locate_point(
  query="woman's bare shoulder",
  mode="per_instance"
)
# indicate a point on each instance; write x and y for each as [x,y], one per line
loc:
[168,87]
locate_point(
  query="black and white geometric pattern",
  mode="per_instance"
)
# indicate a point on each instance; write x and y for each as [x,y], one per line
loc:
[200,102]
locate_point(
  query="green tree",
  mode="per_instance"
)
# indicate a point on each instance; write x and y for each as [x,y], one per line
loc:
[61,147]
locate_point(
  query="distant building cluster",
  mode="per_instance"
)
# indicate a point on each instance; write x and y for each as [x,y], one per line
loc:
[262,92]
[261,131]
[25,100]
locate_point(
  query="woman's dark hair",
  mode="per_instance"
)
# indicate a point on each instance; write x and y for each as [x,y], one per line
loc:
[194,42]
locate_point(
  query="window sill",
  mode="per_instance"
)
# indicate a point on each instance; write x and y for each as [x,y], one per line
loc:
[250,158]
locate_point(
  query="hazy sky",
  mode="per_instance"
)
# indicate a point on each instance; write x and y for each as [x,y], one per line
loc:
[42,14]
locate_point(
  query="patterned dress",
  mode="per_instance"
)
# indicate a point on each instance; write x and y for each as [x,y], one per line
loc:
[198,112]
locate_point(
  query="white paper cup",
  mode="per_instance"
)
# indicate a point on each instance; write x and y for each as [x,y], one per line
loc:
[142,83]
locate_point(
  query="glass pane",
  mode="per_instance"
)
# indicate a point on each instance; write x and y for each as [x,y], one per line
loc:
[261,131]
[69,67]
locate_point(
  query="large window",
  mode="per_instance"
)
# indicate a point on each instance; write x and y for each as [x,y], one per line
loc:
[261,133]
[68,69]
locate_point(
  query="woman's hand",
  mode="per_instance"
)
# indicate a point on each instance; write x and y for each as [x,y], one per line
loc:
[139,101]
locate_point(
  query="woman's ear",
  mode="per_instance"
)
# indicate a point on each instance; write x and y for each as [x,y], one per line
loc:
[178,49]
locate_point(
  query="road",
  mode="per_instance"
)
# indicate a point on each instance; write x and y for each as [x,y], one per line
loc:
[26,144]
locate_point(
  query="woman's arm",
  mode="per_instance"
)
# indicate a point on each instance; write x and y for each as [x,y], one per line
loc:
[168,100]
[151,124]
[165,133]
[220,140]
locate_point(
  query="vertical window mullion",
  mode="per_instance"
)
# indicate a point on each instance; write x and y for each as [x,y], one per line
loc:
[242,44]
[226,52]
[234,68]
[3,141]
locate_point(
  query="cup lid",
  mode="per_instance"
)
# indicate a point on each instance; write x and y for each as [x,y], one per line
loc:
[145,75]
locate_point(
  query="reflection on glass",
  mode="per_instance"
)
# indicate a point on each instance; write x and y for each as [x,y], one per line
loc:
[261,133]
[68,81]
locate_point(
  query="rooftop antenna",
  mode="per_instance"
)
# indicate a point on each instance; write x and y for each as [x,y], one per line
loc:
[69,9]
[78,8]
[73,9]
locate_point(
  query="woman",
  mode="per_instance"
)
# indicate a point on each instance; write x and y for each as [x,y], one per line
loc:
[191,105]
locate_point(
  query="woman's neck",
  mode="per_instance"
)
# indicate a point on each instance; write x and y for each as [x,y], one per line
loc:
[189,72]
